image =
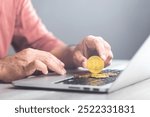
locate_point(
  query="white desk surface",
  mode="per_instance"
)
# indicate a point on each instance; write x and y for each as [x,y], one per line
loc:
[138,91]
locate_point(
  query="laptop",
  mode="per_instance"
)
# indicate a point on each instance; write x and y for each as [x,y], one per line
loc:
[137,70]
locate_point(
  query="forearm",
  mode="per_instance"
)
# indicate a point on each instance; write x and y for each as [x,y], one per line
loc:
[65,54]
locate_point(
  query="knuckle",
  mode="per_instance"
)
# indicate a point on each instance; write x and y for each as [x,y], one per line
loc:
[90,36]
[46,53]
[48,57]
[101,38]
[98,40]
[35,63]
[107,45]
[28,51]
[95,38]
[49,54]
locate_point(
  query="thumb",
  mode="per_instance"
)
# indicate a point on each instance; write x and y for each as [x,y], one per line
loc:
[84,63]
[36,65]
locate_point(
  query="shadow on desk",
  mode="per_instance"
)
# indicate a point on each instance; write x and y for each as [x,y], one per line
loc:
[2,82]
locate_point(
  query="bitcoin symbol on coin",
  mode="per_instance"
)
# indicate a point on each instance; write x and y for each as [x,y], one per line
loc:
[95,64]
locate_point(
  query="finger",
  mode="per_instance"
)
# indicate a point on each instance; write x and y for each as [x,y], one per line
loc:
[100,48]
[52,65]
[109,59]
[47,55]
[96,43]
[36,65]
[59,62]
[80,60]
[55,65]
[109,53]
[52,62]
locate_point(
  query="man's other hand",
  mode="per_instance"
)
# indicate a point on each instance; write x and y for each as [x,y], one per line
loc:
[92,45]
[26,62]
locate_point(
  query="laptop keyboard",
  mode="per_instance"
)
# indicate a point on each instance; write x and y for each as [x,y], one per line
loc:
[75,80]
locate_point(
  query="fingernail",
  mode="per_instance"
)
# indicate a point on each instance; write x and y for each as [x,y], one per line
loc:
[103,57]
[63,71]
[84,64]
[62,64]
[46,72]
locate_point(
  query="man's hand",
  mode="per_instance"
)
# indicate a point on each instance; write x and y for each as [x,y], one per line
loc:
[26,62]
[92,45]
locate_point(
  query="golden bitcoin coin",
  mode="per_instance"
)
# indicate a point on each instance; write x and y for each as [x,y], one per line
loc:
[102,75]
[95,64]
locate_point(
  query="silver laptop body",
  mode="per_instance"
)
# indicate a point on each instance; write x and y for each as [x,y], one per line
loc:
[137,70]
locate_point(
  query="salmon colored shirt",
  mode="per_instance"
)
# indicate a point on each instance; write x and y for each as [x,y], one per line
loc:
[21,27]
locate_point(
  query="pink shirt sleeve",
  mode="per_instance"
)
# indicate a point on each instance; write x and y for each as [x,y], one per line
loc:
[30,31]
